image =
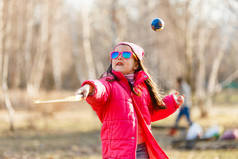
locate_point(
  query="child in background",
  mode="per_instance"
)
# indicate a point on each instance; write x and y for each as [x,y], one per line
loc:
[184,110]
[185,89]
[126,101]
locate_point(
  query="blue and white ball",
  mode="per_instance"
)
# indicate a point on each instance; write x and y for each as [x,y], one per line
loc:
[157,24]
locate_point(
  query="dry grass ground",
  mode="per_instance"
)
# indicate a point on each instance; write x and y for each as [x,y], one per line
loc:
[72,131]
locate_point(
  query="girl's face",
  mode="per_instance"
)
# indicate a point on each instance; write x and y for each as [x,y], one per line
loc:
[120,64]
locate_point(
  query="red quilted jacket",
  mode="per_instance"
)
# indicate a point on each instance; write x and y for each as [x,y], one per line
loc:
[120,112]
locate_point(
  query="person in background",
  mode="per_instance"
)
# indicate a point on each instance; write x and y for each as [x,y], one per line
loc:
[184,110]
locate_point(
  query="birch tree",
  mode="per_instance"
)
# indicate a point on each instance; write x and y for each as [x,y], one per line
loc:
[6,28]
[42,49]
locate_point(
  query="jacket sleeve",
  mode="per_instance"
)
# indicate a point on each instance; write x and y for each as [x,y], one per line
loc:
[100,95]
[171,107]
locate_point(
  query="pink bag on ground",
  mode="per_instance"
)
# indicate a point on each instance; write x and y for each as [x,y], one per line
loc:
[230,135]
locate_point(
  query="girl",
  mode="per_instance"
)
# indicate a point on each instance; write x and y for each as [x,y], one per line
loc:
[126,102]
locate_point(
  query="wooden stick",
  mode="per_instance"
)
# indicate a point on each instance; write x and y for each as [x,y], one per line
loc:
[76,98]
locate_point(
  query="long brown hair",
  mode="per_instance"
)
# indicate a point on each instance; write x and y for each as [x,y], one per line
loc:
[154,91]
[156,97]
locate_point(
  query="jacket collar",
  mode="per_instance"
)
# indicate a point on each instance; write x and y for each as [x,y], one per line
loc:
[140,77]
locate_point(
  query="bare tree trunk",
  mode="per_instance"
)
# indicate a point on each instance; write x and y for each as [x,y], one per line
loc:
[55,45]
[114,20]
[6,45]
[1,37]
[36,76]
[214,73]
[78,59]
[215,67]
[86,44]
[30,8]
[29,39]
[189,55]
[8,103]
[188,43]
[201,72]
[19,41]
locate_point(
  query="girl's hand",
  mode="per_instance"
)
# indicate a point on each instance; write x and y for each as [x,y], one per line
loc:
[178,98]
[85,90]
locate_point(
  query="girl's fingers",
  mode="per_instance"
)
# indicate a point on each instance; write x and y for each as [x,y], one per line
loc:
[82,91]
[85,93]
[78,92]
[180,99]
[86,89]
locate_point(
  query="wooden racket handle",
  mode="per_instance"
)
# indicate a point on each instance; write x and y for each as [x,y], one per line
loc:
[76,98]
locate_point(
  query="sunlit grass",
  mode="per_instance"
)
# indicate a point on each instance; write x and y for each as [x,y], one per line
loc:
[72,131]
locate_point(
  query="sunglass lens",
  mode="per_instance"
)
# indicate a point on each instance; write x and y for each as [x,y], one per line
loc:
[126,55]
[114,55]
